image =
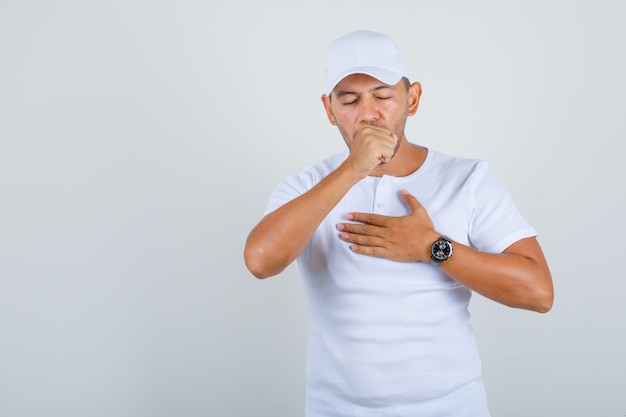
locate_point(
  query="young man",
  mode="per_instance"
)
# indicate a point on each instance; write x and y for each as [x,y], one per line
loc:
[391,238]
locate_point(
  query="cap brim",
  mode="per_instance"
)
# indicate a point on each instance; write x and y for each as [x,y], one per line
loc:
[381,74]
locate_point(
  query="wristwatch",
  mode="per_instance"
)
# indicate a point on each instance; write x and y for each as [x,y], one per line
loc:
[441,250]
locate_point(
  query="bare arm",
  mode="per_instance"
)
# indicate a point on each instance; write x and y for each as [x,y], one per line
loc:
[282,235]
[518,277]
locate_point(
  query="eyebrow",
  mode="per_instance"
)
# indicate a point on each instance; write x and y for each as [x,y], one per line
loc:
[380,87]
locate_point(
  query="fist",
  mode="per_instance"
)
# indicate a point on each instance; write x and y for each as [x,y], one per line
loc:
[372,146]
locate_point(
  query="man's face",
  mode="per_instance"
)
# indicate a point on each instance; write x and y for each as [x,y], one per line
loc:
[363,100]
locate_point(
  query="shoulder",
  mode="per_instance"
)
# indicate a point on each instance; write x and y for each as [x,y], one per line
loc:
[299,183]
[456,166]
[314,173]
[326,166]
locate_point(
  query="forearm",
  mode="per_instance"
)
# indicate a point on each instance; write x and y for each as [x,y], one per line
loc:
[282,235]
[519,277]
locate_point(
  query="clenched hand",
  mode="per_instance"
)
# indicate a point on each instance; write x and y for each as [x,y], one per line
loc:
[373,145]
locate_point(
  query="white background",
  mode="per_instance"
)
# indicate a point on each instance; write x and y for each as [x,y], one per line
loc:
[139,141]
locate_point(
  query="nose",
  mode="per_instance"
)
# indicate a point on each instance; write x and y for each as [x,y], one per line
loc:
[368,111]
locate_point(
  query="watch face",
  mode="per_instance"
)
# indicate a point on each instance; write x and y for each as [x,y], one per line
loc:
[441,250]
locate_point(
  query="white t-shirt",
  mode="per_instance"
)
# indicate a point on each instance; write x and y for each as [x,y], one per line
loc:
[391,338]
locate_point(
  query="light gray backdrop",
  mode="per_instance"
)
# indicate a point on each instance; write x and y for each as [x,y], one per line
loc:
[139,141]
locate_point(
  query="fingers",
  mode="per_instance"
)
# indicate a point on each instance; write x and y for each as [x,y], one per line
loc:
[368,218]
[410,200]
[397,238]
[379,220]
[359,229]
[382,141]
[372,145]
[362,240]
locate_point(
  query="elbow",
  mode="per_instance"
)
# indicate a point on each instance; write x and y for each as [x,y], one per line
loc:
[256,272]
[545,301]
[254,264]
[259,263]
[538,289]
[260,274]
[543,295]
[537,300]
[543,306]
[536,294]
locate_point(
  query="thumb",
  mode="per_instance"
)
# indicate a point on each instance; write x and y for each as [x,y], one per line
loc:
[410,200]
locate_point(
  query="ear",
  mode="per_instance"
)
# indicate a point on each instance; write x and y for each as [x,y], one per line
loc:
[415,92]
[329,110]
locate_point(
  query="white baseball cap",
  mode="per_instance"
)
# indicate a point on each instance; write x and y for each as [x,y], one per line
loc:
[364,52]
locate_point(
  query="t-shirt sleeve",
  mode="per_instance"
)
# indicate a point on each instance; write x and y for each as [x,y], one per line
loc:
[496,223]
[292,187]
[297,184]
